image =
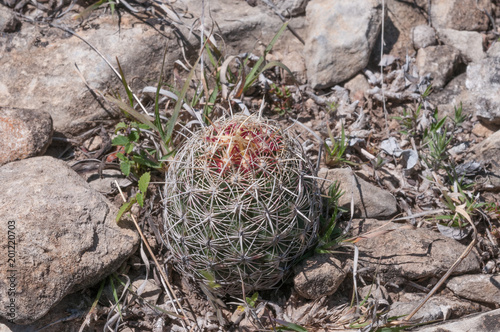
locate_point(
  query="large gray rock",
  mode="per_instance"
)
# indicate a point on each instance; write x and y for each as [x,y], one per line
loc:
[319,276]
[369,201]
[410,253]
[38,66]
[484,288]
[440,62]
[340,38]
[483,322]
[483,81]
[460,14]
[23,133]
[66,237]
[469,43]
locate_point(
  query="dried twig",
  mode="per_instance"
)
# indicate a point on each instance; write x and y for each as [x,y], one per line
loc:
[170,291]
[452,268]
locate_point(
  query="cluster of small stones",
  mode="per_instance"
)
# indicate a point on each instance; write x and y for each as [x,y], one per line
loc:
[241,206]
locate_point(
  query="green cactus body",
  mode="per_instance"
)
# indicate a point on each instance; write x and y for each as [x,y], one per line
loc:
[241,205]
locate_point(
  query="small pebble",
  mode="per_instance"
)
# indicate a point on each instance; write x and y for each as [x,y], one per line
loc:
[490,267]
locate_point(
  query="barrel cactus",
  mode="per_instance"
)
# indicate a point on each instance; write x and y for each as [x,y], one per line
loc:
[241,205]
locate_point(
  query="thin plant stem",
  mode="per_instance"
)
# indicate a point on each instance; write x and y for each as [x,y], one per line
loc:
[143,238]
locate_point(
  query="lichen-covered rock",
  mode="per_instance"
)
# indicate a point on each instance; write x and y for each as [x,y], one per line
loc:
[24,133]
[64,236]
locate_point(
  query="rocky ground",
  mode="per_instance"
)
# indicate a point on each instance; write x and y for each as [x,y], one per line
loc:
[419,193]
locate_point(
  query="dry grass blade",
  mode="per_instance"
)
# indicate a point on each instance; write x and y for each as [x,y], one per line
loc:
[223,76]
[421,214]
[377,232]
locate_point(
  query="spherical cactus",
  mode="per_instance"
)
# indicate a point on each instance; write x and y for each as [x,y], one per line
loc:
[241,205]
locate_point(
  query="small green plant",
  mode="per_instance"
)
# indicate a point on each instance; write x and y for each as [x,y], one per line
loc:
[139,196]
[427,92]
[436,140]
[409,120]
[210,280]
[436,125]
[281,99]
[459,117]
[242,81]
[329,233]
[378,162]
[250,302]
[335,153]
[259,66]
[460,205]
[437,143]
[332,107]
[493,208]
[134,156]
[86,12]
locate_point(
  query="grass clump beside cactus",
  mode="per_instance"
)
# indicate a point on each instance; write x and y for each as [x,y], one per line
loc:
[241,204]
